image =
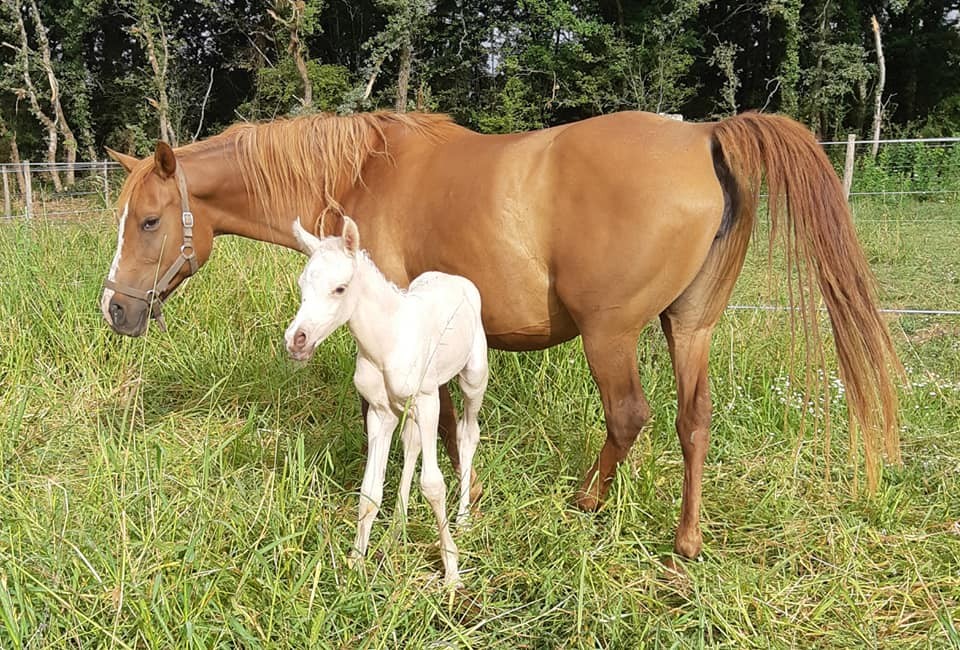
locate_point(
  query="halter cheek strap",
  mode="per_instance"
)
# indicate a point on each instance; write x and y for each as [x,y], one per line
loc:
[188,257]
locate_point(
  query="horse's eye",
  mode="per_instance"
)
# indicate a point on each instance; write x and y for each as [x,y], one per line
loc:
[339,290]
[151,223]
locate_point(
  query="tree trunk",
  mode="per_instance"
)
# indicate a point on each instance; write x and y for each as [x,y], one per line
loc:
[15,159]
[69,140]
[30,92]
[162,103]
[302,69]
[294,26]
[878,97]
[403,77]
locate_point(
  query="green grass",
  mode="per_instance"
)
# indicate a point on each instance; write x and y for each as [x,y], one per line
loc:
[196,489]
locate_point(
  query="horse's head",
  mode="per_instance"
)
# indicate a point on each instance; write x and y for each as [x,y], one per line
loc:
[328,293]
[159,244]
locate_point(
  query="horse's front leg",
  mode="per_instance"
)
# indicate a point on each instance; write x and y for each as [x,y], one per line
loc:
[380,425]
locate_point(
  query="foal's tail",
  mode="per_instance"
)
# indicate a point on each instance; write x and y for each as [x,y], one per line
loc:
[822,251]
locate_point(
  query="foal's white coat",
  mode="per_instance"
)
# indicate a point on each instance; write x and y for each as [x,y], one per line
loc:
[409,343]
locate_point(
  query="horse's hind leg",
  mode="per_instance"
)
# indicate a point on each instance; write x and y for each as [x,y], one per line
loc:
[613,363]
[689,350]
[473,383]
[688,324]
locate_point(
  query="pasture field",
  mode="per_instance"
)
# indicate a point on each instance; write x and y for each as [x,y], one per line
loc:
[195,489]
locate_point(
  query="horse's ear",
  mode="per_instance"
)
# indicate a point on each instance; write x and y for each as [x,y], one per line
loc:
[351,236]
[127,162]
[165,162]
[308,243]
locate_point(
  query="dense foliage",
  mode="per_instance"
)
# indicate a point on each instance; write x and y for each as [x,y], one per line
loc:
[124,66]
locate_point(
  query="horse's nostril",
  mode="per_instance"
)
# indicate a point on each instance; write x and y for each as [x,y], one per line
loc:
[116,313]
[300,339]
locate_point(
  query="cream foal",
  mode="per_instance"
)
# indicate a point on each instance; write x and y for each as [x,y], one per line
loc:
[409,343]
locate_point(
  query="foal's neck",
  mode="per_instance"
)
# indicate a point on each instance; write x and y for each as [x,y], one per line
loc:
[378,303]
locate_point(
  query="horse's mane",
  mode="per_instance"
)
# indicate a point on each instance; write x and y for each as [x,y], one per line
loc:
[287,164]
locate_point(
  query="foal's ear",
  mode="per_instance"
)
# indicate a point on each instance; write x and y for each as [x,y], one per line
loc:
[127,162]
[308,243]
[351,236]
[165,162]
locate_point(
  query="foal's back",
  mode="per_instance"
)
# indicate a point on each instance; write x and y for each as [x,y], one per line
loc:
[438,330]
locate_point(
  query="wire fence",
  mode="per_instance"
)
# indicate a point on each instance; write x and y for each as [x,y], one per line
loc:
[901,172]
[909,169]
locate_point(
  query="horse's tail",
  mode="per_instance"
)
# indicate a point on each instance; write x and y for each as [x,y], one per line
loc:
[822,251]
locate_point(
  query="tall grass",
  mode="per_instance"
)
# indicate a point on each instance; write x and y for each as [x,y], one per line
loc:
[196,489]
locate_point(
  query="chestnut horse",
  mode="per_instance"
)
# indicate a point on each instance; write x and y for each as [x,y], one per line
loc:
[592,228]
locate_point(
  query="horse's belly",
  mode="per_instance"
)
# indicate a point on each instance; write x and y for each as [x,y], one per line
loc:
[512,325]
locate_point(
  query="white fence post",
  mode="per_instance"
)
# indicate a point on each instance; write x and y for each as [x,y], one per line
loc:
[106,186]
[848,165]
[28,193]
[6,193]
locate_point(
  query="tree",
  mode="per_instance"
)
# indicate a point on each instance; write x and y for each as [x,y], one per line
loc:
[29,91]
[299,19]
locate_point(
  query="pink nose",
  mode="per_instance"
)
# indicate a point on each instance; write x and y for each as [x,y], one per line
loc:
[299,339]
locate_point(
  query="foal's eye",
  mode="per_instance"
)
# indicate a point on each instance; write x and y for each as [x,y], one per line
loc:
[339,290]
[151,223]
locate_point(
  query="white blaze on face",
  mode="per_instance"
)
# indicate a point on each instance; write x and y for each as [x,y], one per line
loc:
[108,293]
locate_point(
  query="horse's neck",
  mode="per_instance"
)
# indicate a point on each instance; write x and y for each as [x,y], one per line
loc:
[373,322]
[218,190]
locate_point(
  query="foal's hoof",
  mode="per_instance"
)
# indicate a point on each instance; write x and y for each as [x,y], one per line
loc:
[354,560]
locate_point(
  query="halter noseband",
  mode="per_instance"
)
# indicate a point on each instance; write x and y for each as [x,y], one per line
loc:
[188,256]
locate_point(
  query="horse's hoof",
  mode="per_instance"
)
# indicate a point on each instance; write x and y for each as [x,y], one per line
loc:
[673,566]
[476,491]
[588,501]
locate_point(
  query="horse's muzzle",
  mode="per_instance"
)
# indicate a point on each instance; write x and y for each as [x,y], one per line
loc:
[129,319]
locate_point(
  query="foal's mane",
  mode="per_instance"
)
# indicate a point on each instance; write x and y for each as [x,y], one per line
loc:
[287,164]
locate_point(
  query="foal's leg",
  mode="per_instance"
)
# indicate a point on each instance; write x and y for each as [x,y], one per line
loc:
[411,451]
[431,482]
[473,382]
[380,424]
[613,364]
[689,350]
[449,435]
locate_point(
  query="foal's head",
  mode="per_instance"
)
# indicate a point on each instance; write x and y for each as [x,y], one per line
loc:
[328,295]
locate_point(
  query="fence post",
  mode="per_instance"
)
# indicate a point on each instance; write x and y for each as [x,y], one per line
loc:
[848,165]
[28,190]
[106,186]
[6,193]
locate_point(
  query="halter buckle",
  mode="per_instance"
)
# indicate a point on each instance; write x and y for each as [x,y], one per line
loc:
[187,218]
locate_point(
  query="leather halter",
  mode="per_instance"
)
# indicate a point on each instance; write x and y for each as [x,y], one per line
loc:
[188,256]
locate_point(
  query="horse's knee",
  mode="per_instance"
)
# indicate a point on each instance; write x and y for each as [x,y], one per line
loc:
[627,419]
